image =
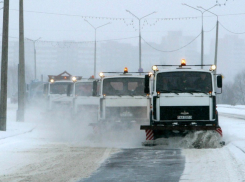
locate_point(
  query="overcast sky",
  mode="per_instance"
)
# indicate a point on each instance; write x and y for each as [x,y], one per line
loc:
[43,18]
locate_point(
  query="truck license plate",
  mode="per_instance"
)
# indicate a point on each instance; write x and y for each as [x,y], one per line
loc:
[184,117]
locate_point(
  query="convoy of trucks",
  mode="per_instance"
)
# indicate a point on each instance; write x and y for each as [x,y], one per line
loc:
[172,101]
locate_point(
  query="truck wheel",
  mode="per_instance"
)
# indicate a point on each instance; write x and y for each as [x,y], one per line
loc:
[217,120]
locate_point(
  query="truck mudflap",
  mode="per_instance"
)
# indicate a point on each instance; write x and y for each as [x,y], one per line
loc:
[198,136]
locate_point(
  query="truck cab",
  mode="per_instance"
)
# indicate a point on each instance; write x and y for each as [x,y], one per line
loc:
[122,99]
[55,92]
[85,99]
[183,98]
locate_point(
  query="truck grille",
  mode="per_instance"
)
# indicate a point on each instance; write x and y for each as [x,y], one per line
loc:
[126,112]
[196,112]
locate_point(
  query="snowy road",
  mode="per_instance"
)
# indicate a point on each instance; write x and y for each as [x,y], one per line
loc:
[40,150]
[222,164]
[141,164]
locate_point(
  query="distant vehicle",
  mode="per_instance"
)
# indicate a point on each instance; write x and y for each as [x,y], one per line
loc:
[55,91]
[85,99]
[123,103]
[14,98]
[35,91]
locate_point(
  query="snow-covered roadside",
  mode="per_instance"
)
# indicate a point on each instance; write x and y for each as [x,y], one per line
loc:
[229,109]
[221,164]
[47,149]
[55,150]
[54,162]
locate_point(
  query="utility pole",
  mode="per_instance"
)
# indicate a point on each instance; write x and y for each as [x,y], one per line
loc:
[139,19]
[21,68]
[95,48]
[35,55]
[202,37]
[217,36]
[216,45]
[4,67]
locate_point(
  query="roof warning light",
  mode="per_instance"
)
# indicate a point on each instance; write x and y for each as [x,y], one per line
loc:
[183,62]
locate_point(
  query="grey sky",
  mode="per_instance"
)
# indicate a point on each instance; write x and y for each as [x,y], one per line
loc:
[74,28]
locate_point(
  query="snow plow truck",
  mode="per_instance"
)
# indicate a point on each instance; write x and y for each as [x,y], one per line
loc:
[123,103]
[183,102]
[85,99]
[56,93]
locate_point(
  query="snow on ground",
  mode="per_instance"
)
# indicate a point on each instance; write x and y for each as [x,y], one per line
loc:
[238,109]
[47,149]
[220,164]
[42,149]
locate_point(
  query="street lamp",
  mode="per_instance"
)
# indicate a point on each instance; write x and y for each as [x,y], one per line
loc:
[35,61]
[217,34]
[140,34]
[95,29]
[202,12]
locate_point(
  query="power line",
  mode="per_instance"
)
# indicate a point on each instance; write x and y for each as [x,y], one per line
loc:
[117,39]
[61,14]
[231,31]
[84,41]
[120,18]
[89,41]
[11,37]
[210,29]
[235,14]
[171,50]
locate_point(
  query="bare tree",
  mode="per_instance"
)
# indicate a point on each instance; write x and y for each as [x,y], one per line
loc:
[239,88]
[227,96]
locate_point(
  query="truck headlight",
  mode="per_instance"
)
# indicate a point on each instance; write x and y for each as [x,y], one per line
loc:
[154,68]
[101,74]
[213,67]
[74,79]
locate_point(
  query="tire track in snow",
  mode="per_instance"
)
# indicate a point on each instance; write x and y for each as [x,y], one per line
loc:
[22,133]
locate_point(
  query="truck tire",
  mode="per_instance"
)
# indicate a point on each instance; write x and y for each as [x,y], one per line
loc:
[151,121]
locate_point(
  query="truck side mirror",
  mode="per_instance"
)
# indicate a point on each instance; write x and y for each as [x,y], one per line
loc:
[94,88]
[147,89]
[219,81]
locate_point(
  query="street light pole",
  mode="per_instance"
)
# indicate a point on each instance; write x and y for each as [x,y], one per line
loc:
[95,30]
[35,61]
[21,67]
[140,34]
[202,12]
[217,36]
[4,67]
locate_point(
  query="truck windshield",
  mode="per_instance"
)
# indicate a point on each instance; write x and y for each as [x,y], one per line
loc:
[36,89]
[59,88]
[84,89]
[123,86]
[178,82]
